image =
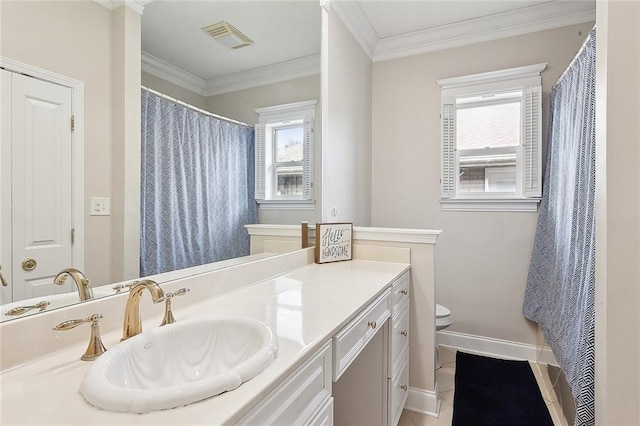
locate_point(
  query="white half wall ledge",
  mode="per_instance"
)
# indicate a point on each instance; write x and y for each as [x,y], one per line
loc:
[496,348]
[401,235]
[361,233]
[269,230]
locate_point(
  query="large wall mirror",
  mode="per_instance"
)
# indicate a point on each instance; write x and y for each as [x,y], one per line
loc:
[178,59]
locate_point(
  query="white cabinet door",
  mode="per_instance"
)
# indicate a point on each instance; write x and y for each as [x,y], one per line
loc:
[303,398]
[41,176]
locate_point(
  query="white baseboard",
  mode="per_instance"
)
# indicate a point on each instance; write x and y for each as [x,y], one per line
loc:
[427,402]
[495,347]
[423,401]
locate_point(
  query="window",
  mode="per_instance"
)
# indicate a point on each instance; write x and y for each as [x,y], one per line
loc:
[288,156]
[284,153]
[491,140]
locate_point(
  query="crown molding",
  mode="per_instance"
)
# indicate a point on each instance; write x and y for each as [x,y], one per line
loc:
[136,5]
[276,73]
[544,16]
[357,23]
[289,70]
[168,72]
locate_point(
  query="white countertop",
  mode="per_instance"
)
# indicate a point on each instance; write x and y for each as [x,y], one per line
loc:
[305,308]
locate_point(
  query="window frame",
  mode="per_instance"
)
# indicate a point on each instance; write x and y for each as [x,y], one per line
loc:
[269,120]
[528,153]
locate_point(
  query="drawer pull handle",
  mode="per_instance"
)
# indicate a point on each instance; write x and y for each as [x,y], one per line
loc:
[404,291]
[404,333]
[403,387]
[372,324]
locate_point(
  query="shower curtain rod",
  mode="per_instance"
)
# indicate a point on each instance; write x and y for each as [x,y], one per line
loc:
[184,104]
[584,44]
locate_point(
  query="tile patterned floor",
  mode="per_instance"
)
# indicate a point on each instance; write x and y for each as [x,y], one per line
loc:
[445,378]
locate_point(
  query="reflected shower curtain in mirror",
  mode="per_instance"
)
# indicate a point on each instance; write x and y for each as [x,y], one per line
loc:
[197,187]
[561,283]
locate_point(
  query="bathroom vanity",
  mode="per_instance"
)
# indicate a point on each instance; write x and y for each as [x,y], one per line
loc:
[323,315]
[340,326]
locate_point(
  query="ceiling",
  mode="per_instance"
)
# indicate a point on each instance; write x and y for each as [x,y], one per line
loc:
[287,33]
[282,31]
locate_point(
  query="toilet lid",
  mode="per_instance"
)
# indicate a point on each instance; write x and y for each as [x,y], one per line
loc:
[441,311]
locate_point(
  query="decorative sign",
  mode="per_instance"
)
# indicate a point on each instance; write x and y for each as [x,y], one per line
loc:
[333,242]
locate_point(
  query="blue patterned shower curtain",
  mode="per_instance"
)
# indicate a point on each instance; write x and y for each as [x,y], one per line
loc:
[561,283]
[197,189]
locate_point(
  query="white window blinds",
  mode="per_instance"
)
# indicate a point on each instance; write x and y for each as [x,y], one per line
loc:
[448,150]
[260,161]
[307,163]
[532,141]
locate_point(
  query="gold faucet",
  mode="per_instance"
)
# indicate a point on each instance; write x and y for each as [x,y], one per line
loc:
[132,322]
[84,291]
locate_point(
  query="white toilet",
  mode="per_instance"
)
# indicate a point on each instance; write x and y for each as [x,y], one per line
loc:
[443,320]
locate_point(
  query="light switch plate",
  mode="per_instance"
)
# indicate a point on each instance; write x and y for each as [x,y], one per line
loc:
[100,206]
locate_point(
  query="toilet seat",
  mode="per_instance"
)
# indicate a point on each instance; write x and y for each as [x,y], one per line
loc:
[443,317]
[441,311]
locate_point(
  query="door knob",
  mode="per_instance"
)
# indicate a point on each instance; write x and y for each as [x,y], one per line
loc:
[29,264]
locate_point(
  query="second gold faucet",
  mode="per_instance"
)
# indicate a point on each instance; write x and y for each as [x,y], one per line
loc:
[84,290]
[132,322]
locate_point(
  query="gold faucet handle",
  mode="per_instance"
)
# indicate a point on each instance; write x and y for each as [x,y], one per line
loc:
[168,314]
[41,306]
[180,292]
[95,347]
[119,287]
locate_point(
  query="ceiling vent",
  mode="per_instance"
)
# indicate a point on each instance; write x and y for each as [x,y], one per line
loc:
[228,35]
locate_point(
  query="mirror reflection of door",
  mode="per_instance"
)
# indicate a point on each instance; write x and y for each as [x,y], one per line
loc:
[36,177]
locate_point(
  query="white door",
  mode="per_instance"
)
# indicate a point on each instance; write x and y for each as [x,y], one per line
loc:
[41,220]
[5,188]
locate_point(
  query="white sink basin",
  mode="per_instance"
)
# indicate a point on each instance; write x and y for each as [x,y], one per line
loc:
[179,364]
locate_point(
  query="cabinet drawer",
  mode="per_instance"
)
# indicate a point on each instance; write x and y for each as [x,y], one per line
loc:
[399,390]
[325,415]
[400,291]
[349,341]
[298,399]
[399,335]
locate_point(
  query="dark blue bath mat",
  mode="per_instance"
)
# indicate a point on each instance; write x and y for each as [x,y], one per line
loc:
[496,392]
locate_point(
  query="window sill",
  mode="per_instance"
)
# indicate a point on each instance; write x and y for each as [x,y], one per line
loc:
[286,204]
[528,205]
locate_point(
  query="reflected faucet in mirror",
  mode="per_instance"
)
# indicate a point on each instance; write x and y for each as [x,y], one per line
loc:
[132,322]
[84,291]
[23,309]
